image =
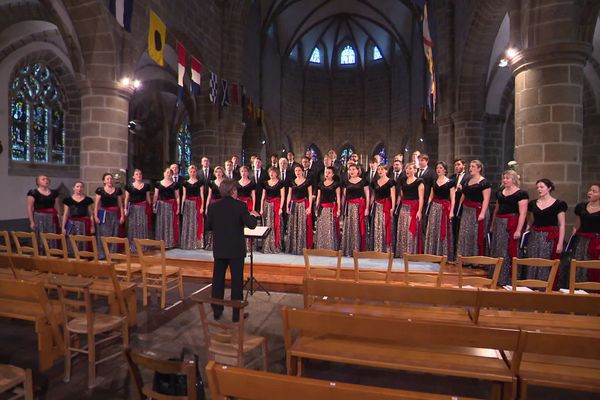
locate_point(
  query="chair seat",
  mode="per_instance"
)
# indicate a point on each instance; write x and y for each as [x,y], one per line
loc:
[229,349]
[564,372]
[10,376]
[157,270]
[133,267]
[102,323]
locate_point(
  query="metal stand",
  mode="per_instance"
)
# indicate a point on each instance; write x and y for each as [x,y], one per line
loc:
[251,279]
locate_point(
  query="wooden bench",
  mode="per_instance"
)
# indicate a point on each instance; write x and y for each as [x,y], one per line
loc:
[549,312]
[390,343]
[28,301]
[225,382]
[393,301]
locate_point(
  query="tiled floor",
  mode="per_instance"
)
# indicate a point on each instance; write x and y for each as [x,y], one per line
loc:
[164,333]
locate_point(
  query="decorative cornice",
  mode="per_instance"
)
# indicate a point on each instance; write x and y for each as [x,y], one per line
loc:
[550,54]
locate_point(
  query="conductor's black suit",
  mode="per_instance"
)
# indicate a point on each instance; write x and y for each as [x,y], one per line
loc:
[227,219]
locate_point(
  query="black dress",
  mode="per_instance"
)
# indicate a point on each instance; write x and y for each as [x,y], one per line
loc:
[381,216]
[471,234]
[167,221]
[587,242]
[299,230]
[408,232]
[327,224]
[272,217]
[354,227]
[438,235]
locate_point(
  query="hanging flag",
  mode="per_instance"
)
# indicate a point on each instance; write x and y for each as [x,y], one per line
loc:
[235,96]
[122,10]
[428,50]
[157,34]
[196,76]
[180,70]
[225,98]
[214,89]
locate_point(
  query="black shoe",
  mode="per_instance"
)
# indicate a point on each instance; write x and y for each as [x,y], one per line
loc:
[246,316]
[217,315]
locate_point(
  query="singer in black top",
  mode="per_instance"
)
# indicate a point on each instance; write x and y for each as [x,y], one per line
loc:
[411,195]
[246,188]
[42,209]
[587,233]
[227,219]
[110,204]
[438,234]
[299,204]
[138,209]
[383,203]
[271,209]
[328,212]
[77,218]
[192,226]
[356,198]
[166,206]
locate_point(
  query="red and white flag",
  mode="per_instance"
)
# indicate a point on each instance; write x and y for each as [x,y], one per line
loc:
[196,76]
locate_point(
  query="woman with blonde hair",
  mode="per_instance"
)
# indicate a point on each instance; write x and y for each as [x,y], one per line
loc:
[108,211]
[192,226]
[42,208]
[507,224]
[166,207]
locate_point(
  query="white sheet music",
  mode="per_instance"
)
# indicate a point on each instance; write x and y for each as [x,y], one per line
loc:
[257,232]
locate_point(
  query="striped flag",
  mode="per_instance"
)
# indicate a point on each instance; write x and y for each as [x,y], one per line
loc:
[180,69]
[196,76]
[122,10]
[428,50]
[225,99]
[214,88]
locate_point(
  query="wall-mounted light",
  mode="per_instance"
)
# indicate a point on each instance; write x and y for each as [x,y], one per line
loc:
[421,140]
[263,141]
[130,83]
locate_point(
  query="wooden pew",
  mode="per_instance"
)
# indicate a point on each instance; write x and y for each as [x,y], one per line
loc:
[393,301]
[28,301]
[413,346]
[225,382]
[549,312]
[559,361]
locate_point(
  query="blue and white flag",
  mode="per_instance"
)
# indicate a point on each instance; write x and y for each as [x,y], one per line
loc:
[122,11]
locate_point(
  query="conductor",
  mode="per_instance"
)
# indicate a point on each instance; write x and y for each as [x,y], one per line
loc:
[226,219]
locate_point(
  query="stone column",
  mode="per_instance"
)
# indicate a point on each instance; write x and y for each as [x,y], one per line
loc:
[549,116]
[104,134]
[445,139]
[469,135]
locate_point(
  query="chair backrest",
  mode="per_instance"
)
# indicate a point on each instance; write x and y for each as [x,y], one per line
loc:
[479,281]
[534,263]
[584,285]
[373,275]
[434,279]
[136,360]
[84,247]
[5,246]
[26,243]
[317,272]
[73,306]
[59,252]
[21,265]
[224,339]
[148,259]
[116,256]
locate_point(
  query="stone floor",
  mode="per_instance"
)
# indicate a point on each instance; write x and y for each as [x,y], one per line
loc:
[165,332]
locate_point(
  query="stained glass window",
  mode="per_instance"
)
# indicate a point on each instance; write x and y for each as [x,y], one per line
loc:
[348,55]
[184,146]
[315,58]
[37,128]
[345,154]
[376,53]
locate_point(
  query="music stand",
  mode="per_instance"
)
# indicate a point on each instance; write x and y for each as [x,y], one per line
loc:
[260,232]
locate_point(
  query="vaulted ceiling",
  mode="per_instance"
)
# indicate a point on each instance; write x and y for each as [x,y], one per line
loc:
[332,23]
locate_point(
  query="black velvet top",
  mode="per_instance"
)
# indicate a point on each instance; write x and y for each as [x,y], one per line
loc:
[328,194]
[273,191]
[109,199]
[166,192]
[137,195]
[40,201]
[246,191]
[443,192]
[78,209]
[300,192]
[510,204]
[193,189]
[410,191]
[590,223]
[475,192]
[549,215]
[215,191]
[356,190]
[384,191]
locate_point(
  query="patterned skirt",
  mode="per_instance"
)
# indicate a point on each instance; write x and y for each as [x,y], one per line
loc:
[269,244]
[499,248]
[351,237]
[467,244]
[77,228]
[44,223]
[379,232]
[110,228]
[539,247]
[295,241]
[406,242]
[137,224]
[164,224]
[327,236]
[580,253]
[434,244]
[189,227]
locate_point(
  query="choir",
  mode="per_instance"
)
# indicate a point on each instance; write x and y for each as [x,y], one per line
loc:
[330,206]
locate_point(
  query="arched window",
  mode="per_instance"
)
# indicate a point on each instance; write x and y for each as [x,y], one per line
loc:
[37,117]
[315,152]
[376,53]
[315,57]
[184,146]
[346,153]
[348,56]
[380,150]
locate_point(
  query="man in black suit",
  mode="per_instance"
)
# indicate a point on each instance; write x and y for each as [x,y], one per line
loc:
[205,175]
[335,163]
[260,176]
[396,172]
[230,172]
[227,219]
[236,164]
[461,177]
[291,158]
[371,173]
[428,175]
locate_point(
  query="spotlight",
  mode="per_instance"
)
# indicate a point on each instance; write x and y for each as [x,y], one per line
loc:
[137,83]
[511,52]
[421,140]
[125,81]
[503,63]
[263,141]
[131,125]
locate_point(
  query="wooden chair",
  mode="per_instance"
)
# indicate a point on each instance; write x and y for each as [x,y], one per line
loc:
[587,285]
[479,281]
[5,246]
[80,242]
[371,275]
[23,267]
[11,377]
[534,263]
[60,252]
[155,271]
[429,279]
[22,243]
[121,260]
[145,391]
[322,272]
[226,341]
